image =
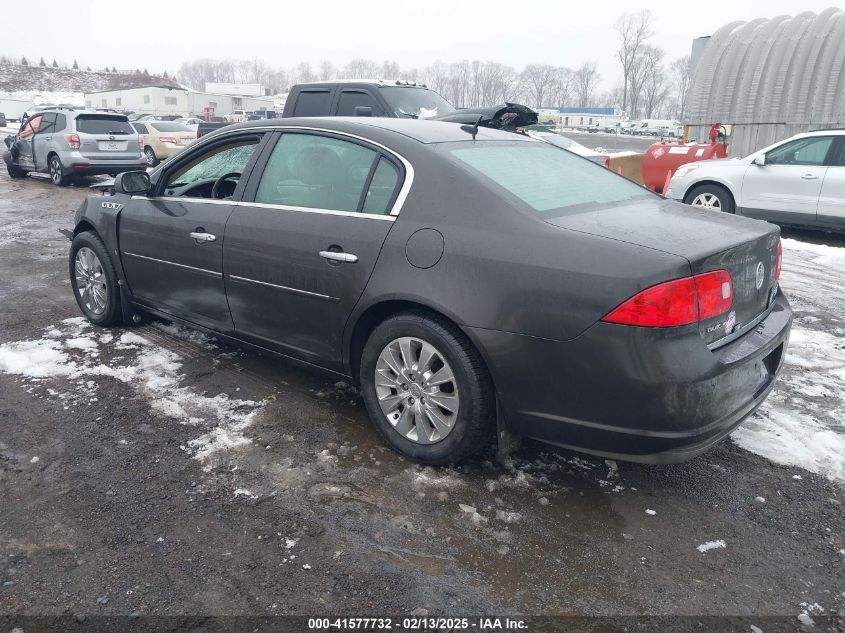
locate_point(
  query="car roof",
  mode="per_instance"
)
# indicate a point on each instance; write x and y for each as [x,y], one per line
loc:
[423,131]
[365,82]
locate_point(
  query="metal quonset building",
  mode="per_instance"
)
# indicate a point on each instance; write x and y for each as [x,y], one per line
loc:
[770,79]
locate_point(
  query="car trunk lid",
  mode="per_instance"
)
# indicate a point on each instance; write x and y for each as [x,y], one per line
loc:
[746,248]
[103,137]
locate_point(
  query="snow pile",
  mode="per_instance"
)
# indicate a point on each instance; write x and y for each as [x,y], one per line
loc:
[706,547]
[803,421]
[72,351]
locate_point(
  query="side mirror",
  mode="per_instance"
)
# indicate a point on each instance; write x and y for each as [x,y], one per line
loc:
[132,182]
[363,111]
[760,161]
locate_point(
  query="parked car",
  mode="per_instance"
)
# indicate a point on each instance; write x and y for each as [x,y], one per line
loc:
[355,246]
[3,122]
[399,99]
[799,181]
[163,139]
[237,116]
[192,123]
[261,114]
[65,143]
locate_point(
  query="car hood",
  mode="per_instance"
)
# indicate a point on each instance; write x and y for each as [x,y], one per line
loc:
[507,116]
[667,226]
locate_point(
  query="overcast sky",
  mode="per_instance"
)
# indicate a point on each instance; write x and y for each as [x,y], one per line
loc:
[160,35]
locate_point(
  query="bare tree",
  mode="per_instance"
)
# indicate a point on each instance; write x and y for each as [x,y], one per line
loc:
[634,30]
[391,70]
[327,70]
[360,68]
[586,79]
[536,79]
[680,73]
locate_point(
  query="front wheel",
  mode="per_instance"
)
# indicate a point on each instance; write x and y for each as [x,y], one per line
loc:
[94,280]
[427,390]
[57,176]
[711,197]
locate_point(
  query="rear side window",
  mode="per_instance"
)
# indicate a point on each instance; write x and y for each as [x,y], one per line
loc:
[312,103]
[61,122]
[316,172]
[546,178]
[382,187]
[48,123]
[351,99]
[141,128]
[102,124]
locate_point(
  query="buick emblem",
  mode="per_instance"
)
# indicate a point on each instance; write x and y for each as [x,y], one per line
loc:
[761,273]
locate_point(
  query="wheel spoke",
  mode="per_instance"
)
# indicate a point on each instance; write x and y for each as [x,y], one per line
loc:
[441,425]
[427,354]
[391,361]
[405,423]
[421,425]
[446,400]
[383,380]
[408,359]
[391,401]
[440,377]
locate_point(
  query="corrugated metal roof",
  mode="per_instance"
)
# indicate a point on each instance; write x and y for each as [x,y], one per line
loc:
[787,70]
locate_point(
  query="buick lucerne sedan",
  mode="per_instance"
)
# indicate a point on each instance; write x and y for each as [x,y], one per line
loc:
[465,279]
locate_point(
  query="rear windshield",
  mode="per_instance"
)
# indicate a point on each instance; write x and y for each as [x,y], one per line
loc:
[546,178]
[103,124]
[168,126]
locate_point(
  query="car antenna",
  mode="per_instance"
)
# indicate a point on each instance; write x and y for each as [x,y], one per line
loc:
[473,129]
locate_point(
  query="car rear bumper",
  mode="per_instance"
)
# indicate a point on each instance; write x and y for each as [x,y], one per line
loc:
[78,163]
[637,394]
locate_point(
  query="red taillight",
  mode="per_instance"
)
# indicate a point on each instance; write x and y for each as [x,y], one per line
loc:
[167,139]
[677,302]
[715,293]
[72,141]
[778,260]
[141,142]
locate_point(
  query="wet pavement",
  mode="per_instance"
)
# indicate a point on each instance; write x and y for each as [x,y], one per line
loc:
[154,470]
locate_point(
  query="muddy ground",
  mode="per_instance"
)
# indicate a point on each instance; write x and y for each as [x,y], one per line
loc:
[202,479]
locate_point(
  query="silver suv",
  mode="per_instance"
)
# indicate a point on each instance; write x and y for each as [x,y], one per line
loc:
[64,142]
[799,181]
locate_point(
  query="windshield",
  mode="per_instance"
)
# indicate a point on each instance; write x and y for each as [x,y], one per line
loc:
[103,124]
[415,103]
[168,126]
[546,178]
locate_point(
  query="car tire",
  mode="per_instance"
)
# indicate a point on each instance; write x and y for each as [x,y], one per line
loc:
[94,280]
[150,156]
[403,402]
[711,197]
[16,172]
[57,176]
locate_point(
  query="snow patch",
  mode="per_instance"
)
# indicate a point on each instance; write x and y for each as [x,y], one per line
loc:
[706,547]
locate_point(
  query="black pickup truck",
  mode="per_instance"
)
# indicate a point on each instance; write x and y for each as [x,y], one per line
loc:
[399,99]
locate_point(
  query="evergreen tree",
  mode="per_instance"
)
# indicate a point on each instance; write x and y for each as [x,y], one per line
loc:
[145,72]
[55,65]
[75,65]
[41,63]
[24,62]
[165,75]
[113,69]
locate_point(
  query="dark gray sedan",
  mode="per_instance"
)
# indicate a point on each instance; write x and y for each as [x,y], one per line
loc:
[464,278]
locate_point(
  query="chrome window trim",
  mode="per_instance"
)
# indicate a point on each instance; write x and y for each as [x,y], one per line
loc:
[264,205]
[400,199]
[164,261]
[286,288]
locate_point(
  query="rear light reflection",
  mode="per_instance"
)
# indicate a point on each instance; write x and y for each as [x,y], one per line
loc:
[677,302]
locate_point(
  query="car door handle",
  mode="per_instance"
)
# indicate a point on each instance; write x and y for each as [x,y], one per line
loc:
[810,177]
[203,237]
[347,258]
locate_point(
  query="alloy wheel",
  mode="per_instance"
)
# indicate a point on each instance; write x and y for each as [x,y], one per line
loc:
[55,171]
[90,281]
[417,390]
[707,201]
[151,157]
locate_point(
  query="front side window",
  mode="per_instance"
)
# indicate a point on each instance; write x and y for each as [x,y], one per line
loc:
[30,126]
[205,169]
[802,151]
[547,179]
[316,172]
[351,99]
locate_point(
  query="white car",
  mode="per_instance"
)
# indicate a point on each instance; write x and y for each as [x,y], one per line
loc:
[191,122]
[799,181]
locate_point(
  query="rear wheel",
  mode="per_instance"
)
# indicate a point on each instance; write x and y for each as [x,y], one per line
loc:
[57,176]
[150,156]
[427,390]
[94,280]
[711,197]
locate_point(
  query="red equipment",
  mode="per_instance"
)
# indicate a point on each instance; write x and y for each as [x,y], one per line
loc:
[662,159]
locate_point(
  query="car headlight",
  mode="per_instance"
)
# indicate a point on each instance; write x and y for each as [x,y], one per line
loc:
[685,170]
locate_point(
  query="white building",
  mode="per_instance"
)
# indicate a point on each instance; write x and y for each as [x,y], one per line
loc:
[236,90]
[224,104]
[148,100]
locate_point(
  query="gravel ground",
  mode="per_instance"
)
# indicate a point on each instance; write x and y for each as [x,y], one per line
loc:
[161,472]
